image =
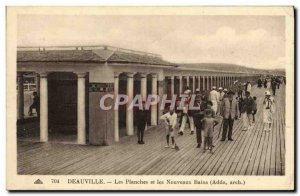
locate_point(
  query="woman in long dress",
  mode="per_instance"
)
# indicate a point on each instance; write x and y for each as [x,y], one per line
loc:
[268,110]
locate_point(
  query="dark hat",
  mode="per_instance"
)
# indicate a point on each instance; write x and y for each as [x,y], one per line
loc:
[210,103]
[230,92]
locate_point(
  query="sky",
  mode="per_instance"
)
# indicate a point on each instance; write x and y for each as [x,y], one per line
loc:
[253,41]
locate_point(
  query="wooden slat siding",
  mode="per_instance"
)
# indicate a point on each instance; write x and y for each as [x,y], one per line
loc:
[236,154]
[237,166]
[282,131]
[186,161]
[203,156]
[170,158]
[229,154]
[47,162]
[262,162]
[249,162]
[273,152]
[282,149]
[259,154]
[206,157]
[116,163]
[219,159]
[239,160]
[208,165]
[123,155]
[144,156]
[252,152]
[278,164]
[163,158]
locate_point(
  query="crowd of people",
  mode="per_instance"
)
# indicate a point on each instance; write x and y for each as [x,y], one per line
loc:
[224,107]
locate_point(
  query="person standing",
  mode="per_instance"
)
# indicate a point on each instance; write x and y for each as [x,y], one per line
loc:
[247,111]
[228,111]
[141,119]
[274,85]
[214,98]
[35,105]
[170,119]
[248,87]
[254,110]
[198,117]
[259,83]
[268,111]
[209,122]
[187,115]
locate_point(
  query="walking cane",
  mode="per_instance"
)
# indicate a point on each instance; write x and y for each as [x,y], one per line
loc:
[220,128]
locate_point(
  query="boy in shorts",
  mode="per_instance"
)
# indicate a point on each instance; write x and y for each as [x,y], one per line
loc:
[170,119]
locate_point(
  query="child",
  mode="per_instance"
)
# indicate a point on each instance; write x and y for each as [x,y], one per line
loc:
[208,127]
[254,109]
[170,119]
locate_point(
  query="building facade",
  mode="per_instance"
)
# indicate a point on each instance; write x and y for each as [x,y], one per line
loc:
[70,82]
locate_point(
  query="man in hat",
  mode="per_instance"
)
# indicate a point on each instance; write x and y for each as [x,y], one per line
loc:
[141,119]
[247,110]
[228,111]
[198,117]
[214,98]
[187,114]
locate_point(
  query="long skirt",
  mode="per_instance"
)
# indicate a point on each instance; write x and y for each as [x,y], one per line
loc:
[268,116]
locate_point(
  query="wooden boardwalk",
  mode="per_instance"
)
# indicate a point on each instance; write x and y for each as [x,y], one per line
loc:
[252,152]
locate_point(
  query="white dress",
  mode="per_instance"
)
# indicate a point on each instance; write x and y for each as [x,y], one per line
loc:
[267,113]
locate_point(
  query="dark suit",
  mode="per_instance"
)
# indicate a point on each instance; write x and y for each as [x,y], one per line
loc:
[141,119]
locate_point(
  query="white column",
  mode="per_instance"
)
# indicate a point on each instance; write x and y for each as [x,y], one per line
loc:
[203,82]
[194,81]
[188,81]
[37,84]
[129,111]
[43,107]
[172,85]
[180,84]
[212,81]
[20,96]
[143,87]
[154,107]
[116,111]
[207,82]
[81,121]
[199,82]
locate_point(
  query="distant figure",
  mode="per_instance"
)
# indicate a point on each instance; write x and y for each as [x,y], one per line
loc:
[259,83]
[214,98]
[141,118]
[35,105]
[268,84]
[254,109]
[268,111]
[274,85]
[170,119]
[248,87]
[247,111]
[228,111]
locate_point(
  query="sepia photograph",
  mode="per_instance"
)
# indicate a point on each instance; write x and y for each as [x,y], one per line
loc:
[150,98]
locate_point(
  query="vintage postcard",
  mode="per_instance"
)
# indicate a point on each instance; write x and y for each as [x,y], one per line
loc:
[150,98]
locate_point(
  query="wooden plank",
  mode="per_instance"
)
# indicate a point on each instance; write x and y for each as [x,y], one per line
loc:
[273,152]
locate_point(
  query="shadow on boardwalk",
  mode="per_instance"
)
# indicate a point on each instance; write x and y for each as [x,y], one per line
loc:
[253,152]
